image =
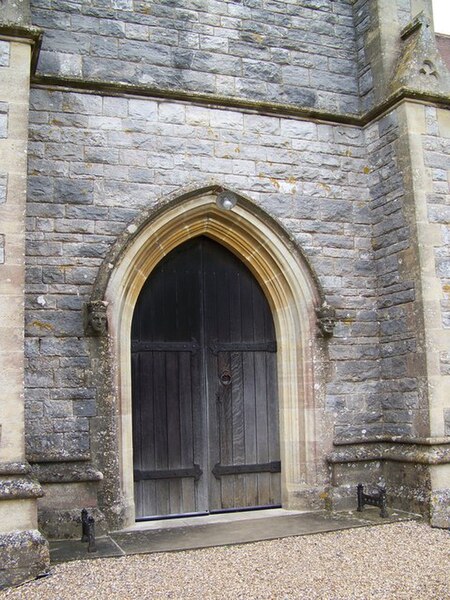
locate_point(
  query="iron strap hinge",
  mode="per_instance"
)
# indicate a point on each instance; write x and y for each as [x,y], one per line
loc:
[217,347]
[142,475]
[270,467]
[137,346]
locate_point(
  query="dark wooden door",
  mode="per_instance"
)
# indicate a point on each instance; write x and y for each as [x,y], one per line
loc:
[205,411]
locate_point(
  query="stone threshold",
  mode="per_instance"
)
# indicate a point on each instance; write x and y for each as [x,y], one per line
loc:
[225,529]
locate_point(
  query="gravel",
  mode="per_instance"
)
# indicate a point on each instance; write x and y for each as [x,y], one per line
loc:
[404,560]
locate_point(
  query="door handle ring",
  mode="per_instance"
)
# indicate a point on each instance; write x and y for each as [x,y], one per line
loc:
[225,378]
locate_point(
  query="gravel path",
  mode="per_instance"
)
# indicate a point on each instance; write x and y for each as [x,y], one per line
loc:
[403,560]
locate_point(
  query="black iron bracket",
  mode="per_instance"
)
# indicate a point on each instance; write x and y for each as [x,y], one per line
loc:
[376,499]
[88,530]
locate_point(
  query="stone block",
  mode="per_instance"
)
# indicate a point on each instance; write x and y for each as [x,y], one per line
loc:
[3,125]
[265,71]
[55,323]
[398,416]
[443,266]
[143,109]
[105,47]
[226,119]
[85,408]
[74,191]
[172,113]
[81,104]
[447,421]
[3,187]
[24,555]
[4,53]
[76,444]
[57,408]
[45,446]
[133,31]
[71,425]
[440,508]
[59,522]
[96,154]
[299,95]
[38,378]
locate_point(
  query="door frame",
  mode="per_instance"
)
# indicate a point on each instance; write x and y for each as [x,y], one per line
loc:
[293,295]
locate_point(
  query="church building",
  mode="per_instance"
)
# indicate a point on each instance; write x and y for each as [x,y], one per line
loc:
[224,262]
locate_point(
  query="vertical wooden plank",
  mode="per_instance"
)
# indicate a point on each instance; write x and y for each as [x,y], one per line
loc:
[200,429]
[238,426]
[216,326]
[175,496]
[137,431]
[173,428]
[225,408]
[187,492]
[147,399]
[213,434]
[262,426]
[248,375]
[186,410]
[251,457]
[161,431]
[273,424]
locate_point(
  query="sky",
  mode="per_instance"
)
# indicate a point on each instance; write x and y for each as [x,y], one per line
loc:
[441,14]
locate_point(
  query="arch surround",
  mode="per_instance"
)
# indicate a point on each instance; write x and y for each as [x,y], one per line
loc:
[291,290]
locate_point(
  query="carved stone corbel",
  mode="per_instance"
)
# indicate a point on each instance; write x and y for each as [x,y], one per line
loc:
[326,320]
[96,320]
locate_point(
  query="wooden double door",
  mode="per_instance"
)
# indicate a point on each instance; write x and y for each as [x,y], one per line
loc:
[205,411]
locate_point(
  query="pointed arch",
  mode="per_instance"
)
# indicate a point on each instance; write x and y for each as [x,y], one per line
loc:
[291,290]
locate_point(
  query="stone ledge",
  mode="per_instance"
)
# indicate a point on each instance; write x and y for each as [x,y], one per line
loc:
[26,33]
[111,88]
[14,468]
[16,489]
[420,441]
[404,451]
[58,458]
[24,555]
[61,472]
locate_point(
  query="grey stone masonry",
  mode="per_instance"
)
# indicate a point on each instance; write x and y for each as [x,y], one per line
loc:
[3,187]
[95,163]
[404,12]
[362,19]
[437,159]
[400,387]
[300,53]
[4,53]
[23,554]
[3,119]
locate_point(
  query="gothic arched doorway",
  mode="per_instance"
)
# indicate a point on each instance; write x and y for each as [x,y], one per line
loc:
[204,385]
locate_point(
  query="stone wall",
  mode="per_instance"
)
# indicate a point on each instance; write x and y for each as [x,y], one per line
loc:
[363,22]
[366,204]
[436,143]
[292,52]
[95,163]
[393,248]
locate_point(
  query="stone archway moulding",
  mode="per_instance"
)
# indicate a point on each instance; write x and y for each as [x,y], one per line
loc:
[292,293]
